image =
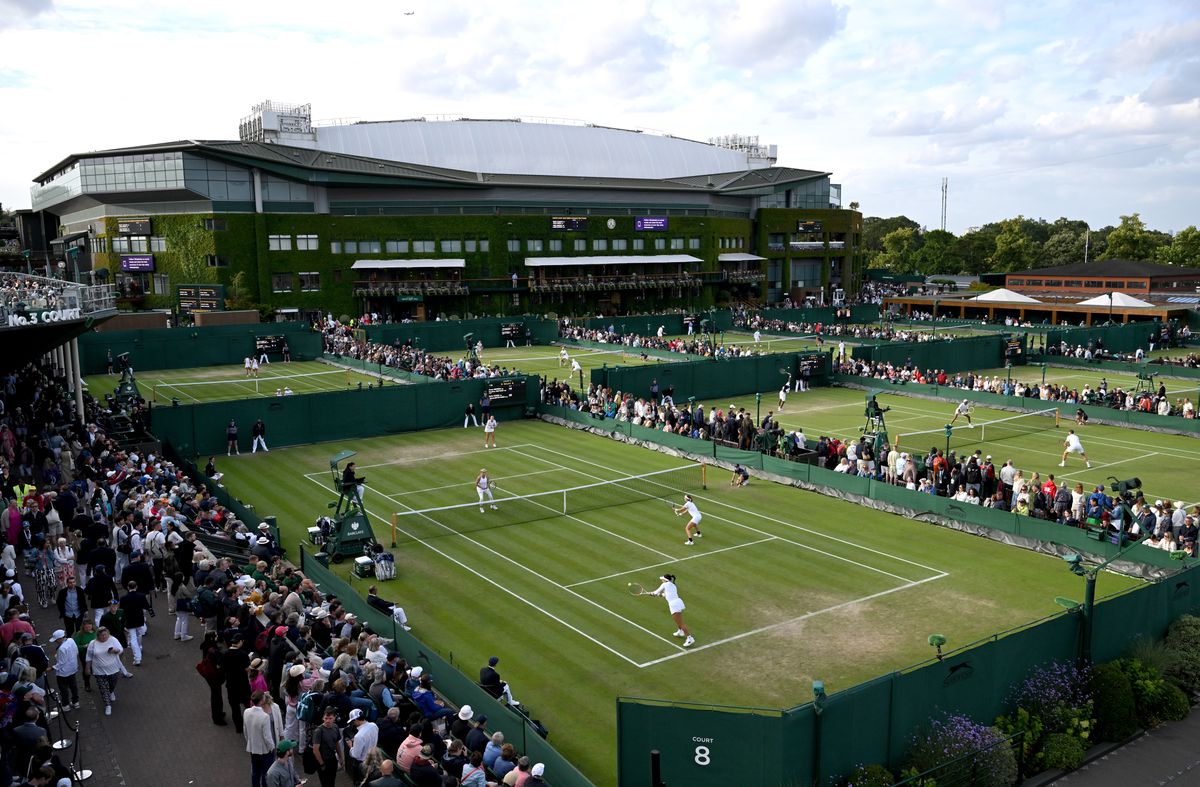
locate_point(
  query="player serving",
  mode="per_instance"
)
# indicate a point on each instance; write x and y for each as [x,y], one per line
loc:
[694,517]
[675,604]
[963,409]
[484,486]
[1073,445]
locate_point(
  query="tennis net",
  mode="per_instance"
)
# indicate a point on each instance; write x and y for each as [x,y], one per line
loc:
[188,391]
[656,489]
[964,436]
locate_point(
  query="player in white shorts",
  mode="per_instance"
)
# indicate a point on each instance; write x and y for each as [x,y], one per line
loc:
[757,336]
[963,409]
[484,486]
[694,517]
[489,432]
[783,394]
[575,367]
[675,604]
[1073,445]
[563,357]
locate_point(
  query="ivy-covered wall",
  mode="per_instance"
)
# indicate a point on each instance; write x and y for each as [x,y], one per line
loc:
[834,222]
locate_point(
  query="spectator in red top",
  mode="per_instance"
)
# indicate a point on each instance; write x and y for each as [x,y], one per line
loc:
[14,627]
[1050,489]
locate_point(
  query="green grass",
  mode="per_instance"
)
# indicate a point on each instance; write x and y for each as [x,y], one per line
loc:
[1076,377]
[543,360]
[223,383]
[786,585]
[1162,461]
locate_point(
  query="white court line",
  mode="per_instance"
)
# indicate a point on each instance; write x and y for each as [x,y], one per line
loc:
[161,384]
[431,458]
[748,527]
[771,519]
[673,562]
[596,527]
[540,576]
[501,587]
[466,483]
[805,616]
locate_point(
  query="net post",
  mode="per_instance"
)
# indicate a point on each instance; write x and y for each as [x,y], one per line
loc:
[703,476]
[393,530]
[1057,417]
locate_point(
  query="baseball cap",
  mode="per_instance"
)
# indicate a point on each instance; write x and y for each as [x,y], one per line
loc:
[57,635]
[537,770]
[416,672]
[284,746]
[355,714]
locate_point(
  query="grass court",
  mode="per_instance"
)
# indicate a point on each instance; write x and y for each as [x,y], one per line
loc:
[784,587]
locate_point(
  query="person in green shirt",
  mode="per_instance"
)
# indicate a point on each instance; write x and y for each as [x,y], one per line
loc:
[83,638]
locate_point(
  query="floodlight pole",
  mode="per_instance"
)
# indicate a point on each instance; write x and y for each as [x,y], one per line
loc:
[758,401]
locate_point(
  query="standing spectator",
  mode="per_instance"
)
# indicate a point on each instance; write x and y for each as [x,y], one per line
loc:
[262,725]
[64,562]
[72,606]
[258,433]
[327,749]
[66,667]
[155,547]
[135,606]
[183,591]
[366,735]
[214,676]
[282,772]
[236,664]
[104,663]
[84,637]
[231,433]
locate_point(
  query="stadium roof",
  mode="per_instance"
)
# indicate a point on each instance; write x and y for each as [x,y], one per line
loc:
[329,168]
[1115,268]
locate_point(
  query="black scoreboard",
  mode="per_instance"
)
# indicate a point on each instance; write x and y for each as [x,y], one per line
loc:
[268,344]
[569,223]
[1014,348]
[809,225]
[200,298]
[505,390]
[813,363]
[512,330]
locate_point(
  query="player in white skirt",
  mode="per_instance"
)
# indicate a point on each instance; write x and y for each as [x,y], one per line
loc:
[563,357]
[783,394]
[694,517]
[246,363]
[675,604]
[1073,445]
[489,432]
[484,486]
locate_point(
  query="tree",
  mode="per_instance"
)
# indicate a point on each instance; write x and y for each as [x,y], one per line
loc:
[1130,240]
[1064,247]
[1183,250]
[1015,250]
[876,227]
[853,206]
[938,254]
[975,248]
[899,248]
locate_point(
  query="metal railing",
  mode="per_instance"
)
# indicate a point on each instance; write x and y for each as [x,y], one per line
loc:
[26,296]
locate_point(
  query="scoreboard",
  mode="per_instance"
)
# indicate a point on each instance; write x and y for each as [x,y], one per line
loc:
[200,298]
[569,223]
[268,344]
[816,364]
[505,390]
[512,330]
[809,226]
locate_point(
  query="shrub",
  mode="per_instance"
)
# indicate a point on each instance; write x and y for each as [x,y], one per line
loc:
[1056,693]
[1151,692]
[952,737]
[1116,716]
[1175,705]
[868,776]
[1062,751]
[1183,642]
[1153,655]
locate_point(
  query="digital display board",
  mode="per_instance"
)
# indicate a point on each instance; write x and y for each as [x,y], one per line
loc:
[813,363]
[268,344]
[133,226]
[1012,348]
[809,226]
[200,298]
[650,223]
[569,223]
[512,330]
[505,389]
[137,263]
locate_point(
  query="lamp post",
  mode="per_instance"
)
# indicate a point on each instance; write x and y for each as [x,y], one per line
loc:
[1074,561]
[758,402]
[818,687]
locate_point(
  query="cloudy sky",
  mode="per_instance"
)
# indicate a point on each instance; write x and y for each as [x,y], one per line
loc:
[1084,109]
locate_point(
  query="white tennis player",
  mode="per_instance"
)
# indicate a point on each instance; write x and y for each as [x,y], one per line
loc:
[563,357]
[484,486]
[675,604]
[246,363]
[1073,445]
[963,409]
[254,367]
[783,395]
[575,367]
[489,432]
[757,336]
[694,517]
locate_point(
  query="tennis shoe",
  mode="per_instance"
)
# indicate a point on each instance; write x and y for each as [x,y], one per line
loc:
[699,534]
[689,642]
[495,508]
[1089,464]
[1064,464]
[481,509]
[689,542]
[678,633]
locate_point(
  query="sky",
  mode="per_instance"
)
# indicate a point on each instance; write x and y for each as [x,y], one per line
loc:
[1089,110]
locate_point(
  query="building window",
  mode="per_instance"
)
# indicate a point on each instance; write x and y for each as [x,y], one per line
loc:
[472,246]
[1074,283]
[368,247]
[337,275]
[1094,284]
[335,247]
[281,282]
[306,243]
[534,245]
[660,243]
[676,243]
[693,243]
[214,225]
[216,261]
[279,243]
[139,244]
[452,246]
[600,244]
[161,283]
[310,282]
[396,246]
[484,244]
[423,246]
[98,245]
[620,244]
[351,246]
[514,244]
[555,245]
[580,244]
[639,244]
[158,244]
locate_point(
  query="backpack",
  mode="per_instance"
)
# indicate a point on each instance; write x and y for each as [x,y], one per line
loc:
[262,640]
[308,709]
[125,547]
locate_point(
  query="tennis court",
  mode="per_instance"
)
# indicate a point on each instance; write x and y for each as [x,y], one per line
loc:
[784,586]
[545,360]
[222,383]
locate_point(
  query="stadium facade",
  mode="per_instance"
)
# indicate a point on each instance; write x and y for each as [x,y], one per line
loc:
[416,218]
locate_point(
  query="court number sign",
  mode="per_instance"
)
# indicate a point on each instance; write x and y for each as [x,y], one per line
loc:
[703,751]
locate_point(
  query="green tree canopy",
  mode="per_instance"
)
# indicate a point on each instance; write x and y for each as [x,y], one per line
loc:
[1184,249]
[1015,250]
[938,254]
[1130,240]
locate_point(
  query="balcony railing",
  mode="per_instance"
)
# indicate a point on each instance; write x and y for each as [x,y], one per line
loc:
[27,299]
[380,289]
[665,281]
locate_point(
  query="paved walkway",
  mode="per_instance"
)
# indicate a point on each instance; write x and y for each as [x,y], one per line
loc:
[1167,755]
[160,733]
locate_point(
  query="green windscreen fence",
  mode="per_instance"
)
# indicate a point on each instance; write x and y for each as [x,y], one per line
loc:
[1114,338]
[713,379]
[447,335]
[199,429]
[863,313]
[184,348]
[953,355]
[451,682]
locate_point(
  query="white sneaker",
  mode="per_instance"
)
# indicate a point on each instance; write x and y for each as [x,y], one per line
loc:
[699,534]
[75,705]
[407,628]
[678,633]
[689,642]
[495,508]
[481,509]
[186,638]
[1064,464]
[113,696]
[689,542]
[107,710]
[1089,464]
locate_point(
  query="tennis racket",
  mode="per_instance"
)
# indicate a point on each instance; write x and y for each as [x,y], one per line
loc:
[784,370]
[636,590]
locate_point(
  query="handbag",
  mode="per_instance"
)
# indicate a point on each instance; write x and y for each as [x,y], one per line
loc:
[207,669]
